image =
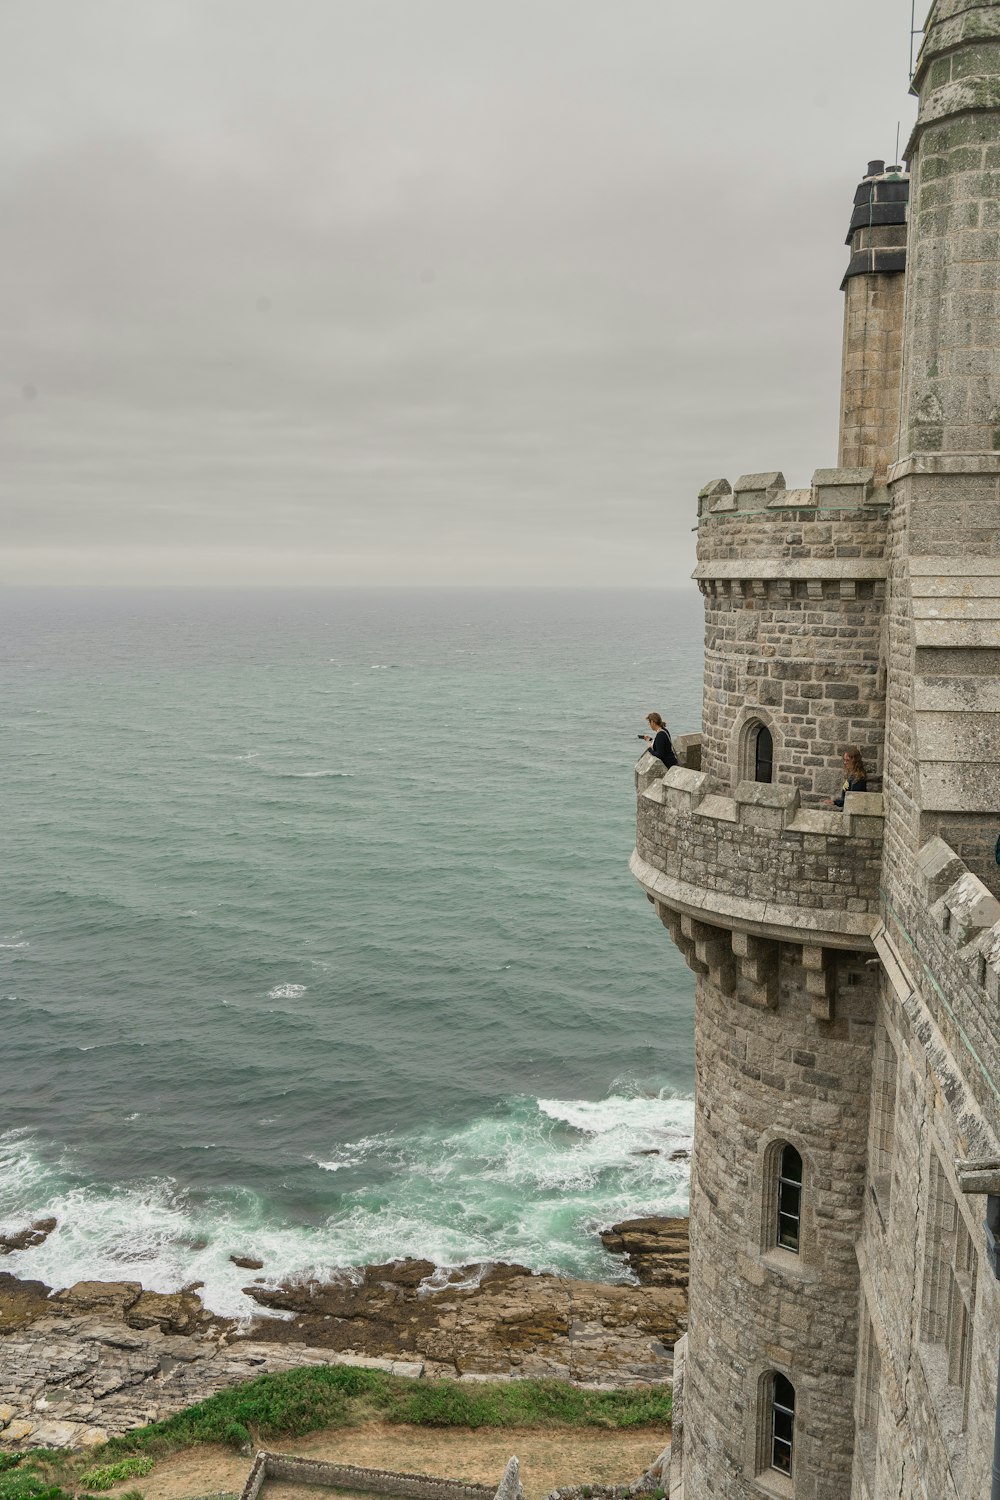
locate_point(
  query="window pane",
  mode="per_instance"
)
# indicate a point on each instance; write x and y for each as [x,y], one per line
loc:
[791,1164]
[788,1233]
[763,755]
[789,1194]
[784,1392]
[782,1423]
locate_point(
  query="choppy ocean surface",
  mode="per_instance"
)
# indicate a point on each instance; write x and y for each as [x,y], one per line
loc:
[317,936]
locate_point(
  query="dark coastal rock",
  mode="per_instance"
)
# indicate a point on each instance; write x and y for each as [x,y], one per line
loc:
[247,1262]
[22,1302]
[174,1312]
[656,1249]
[90,1296]
[484,1319]
[24,1239]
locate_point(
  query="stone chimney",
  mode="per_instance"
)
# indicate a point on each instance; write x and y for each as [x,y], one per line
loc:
[873,321]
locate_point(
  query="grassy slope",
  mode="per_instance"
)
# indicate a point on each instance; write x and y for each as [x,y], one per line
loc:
[273,1407]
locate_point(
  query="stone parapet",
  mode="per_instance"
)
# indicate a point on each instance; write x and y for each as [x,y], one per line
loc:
[757,861]
[758,494]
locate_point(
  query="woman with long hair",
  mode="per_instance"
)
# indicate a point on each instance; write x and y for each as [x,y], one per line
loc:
[659,742]
[855,779]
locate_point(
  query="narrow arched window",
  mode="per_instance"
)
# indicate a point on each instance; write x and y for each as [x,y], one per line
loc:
[763,754]
[789,1199]
[782,1423]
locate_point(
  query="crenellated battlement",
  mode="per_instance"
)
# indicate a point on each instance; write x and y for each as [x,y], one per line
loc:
[757,859]
[965,912]
[833,490]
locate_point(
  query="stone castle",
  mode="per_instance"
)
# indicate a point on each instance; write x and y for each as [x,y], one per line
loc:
[844,1305]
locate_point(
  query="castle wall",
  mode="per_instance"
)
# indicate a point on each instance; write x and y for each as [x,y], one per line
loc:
[762,1077]
[943,772]
[763,857]
[794,589]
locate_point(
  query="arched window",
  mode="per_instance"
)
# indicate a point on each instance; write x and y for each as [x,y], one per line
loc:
[763,754]
[782,1423]
[789,1215]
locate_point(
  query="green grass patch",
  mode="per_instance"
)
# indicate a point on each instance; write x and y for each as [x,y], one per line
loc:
[274,1408]
[23,1476]
[106,1476]
[305,1400]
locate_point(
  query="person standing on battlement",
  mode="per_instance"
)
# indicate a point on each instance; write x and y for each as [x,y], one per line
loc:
[856,779]
[659,742]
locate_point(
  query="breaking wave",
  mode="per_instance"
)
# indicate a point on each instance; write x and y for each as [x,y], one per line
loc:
[532,1182]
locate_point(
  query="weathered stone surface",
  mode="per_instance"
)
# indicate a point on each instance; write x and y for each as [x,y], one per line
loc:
[16,1432]
[24,1239]
[510,1487]
[488,1319]
[656,1249]
[56,1435]
[174,1312]
[116,1296]
[247,1262]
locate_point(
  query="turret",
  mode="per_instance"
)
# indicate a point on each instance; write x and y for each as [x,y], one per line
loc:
[873,320]
[944,645]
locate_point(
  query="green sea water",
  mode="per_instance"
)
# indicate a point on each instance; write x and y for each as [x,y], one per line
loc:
[317,936]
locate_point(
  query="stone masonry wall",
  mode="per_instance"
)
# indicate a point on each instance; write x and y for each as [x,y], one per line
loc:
[941,993]
[794,590]
[952,393]
[916,1445]
[764,1076]
[760,845]
[873,337]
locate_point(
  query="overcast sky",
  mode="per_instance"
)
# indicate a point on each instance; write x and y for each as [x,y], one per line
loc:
[419,291]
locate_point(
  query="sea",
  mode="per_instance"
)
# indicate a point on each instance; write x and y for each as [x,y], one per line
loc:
[317,937]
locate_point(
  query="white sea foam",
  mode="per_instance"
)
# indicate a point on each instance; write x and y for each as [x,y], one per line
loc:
[15,945]
[324,775]
[529,1182]
[286,992]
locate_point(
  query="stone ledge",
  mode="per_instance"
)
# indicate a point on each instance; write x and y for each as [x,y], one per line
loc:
[944,463]
[768,919]
[792,567]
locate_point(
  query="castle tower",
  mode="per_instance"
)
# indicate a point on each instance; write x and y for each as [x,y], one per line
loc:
[843,1326]
[772,898]
[873,321]
[945,624]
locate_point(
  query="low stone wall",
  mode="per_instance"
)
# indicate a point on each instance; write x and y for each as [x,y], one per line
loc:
[758,855]
[354,1477]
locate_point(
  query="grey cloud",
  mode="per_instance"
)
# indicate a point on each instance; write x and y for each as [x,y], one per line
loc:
[418,290]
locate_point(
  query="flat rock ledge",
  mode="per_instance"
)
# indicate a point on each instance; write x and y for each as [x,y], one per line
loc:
[101,1358]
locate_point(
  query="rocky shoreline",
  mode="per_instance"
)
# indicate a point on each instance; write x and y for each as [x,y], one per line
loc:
[99,1358]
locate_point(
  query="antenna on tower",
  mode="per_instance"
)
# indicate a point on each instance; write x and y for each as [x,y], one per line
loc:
[896,156]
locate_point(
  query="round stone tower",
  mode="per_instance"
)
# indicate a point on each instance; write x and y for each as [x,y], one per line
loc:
[772,898]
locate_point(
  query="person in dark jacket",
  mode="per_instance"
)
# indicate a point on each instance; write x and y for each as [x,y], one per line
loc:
[855,779]
[659,742]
